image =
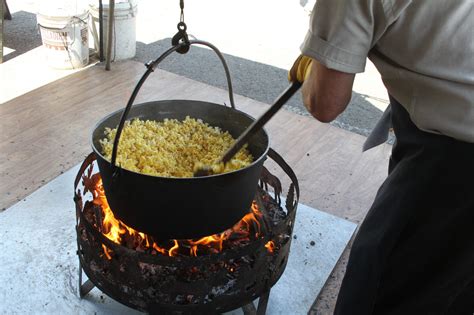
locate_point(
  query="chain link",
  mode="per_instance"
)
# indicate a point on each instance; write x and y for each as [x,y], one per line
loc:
[181,5]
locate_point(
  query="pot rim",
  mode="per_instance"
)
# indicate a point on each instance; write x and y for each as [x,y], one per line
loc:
[99,154]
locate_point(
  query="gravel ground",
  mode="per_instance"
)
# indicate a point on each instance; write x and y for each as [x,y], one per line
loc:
[254,80]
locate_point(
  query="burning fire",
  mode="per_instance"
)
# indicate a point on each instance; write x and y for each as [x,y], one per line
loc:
[118,232]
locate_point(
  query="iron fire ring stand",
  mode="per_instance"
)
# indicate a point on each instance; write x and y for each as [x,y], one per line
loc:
[291,205]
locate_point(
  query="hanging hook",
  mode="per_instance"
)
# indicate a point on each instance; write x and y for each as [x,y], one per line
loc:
[181,37]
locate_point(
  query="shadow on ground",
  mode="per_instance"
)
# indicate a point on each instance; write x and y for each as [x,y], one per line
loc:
[255,80]
[21,33]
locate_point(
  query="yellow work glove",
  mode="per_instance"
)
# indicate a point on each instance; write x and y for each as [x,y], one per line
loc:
[301,69]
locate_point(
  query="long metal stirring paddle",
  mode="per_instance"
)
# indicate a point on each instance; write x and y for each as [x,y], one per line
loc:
[206,170]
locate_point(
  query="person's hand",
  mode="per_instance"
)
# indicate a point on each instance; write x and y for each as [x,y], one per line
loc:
[301,69]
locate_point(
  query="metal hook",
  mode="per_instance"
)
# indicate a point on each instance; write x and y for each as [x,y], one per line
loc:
[180,38]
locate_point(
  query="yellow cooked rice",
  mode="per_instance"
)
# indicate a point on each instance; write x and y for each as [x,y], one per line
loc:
[171,148]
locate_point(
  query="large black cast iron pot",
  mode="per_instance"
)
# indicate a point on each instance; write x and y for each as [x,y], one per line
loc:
[180,208]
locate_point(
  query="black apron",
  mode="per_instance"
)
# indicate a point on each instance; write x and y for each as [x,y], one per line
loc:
[414,252]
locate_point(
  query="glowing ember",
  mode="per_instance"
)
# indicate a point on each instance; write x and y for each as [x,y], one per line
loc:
[270,246]
[118,232]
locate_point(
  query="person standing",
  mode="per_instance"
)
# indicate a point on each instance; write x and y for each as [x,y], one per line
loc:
[414,252]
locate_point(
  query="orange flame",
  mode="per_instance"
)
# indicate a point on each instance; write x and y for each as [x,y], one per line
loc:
[107,251]
[172,251]
[117,231]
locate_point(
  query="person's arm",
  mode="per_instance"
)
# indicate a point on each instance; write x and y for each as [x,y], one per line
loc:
[340,36]
[326,92]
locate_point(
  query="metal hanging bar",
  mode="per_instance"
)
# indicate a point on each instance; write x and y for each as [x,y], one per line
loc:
[101,32]
[110,34]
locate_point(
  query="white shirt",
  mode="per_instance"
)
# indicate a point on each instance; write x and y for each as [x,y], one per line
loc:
[423,49]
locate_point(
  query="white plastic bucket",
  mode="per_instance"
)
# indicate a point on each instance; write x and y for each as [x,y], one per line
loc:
[124,33]
[65,38]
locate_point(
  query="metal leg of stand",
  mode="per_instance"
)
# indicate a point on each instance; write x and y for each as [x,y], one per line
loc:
[262,303]
[85,287]
[261,309]
[249,309]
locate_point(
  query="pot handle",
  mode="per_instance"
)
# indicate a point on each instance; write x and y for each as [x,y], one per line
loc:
[287,169]
[150,68]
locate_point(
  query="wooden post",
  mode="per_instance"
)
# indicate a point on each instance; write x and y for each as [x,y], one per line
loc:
[1,32]
[110,33]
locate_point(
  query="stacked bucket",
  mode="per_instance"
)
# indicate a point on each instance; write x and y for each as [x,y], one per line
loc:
[70,31]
